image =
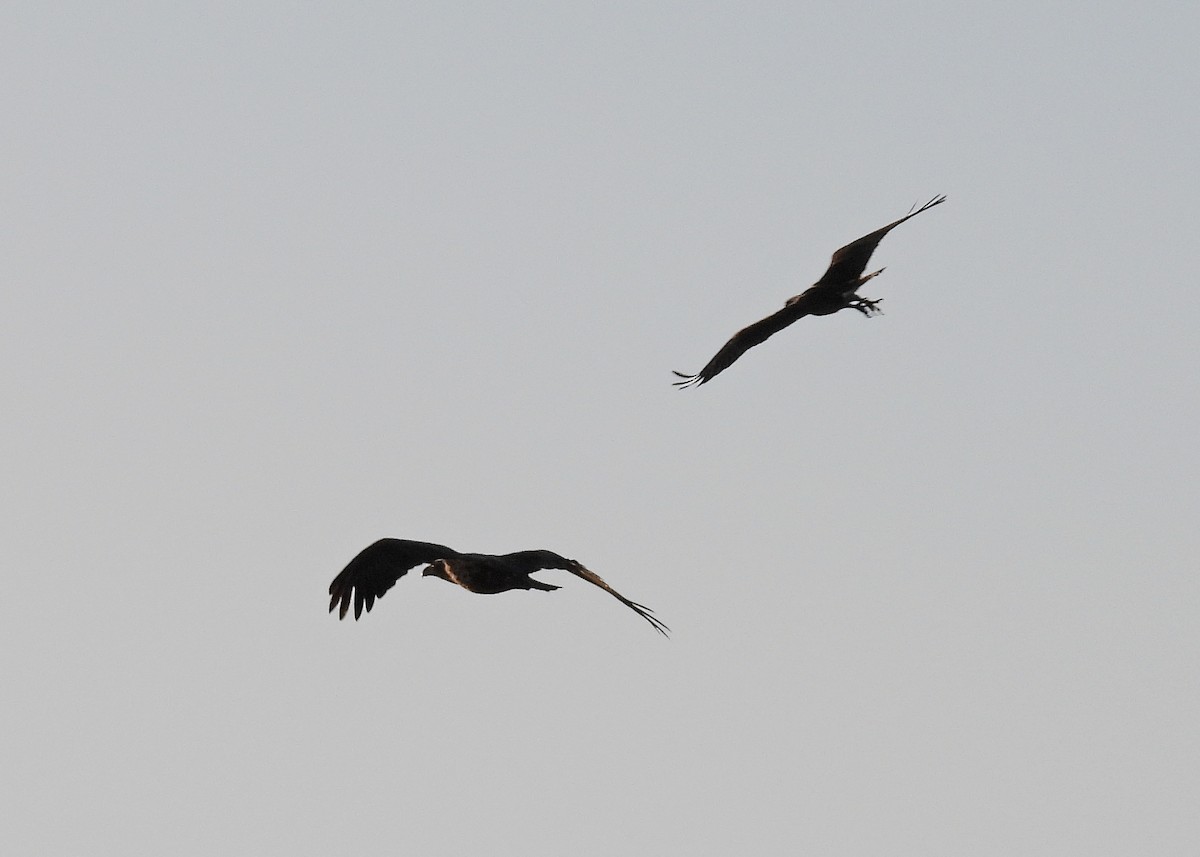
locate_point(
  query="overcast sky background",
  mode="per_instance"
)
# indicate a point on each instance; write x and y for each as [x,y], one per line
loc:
[281,280]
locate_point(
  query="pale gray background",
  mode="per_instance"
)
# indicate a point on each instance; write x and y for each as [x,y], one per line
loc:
[282,279]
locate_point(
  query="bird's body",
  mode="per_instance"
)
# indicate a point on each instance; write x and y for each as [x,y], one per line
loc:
[484,574]
[377,568]
[836,290]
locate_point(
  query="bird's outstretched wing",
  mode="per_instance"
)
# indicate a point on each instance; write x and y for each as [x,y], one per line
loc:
[530,561]
[743,341]
[850,261]
[376,569]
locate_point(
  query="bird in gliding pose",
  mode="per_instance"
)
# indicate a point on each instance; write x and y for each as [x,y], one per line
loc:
[377,568]
[836,290]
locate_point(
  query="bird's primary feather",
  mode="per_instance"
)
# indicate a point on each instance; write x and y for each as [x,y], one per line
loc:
[376,569]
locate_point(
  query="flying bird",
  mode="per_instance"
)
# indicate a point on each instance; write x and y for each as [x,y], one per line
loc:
[836,290]
[377,568]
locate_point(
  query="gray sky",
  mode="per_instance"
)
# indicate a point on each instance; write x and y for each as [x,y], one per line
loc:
[282,281]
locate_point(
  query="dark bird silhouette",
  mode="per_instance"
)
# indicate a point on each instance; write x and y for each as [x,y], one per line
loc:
[836,290]
[377,568]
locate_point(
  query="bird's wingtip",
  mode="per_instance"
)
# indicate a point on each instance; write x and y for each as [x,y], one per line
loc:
[688,380]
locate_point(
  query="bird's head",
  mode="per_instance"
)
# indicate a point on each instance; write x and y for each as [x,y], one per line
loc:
[438,568]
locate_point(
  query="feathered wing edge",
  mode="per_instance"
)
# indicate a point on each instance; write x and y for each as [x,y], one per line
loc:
[641,609]
[538,560]
[850,261]
[376,569]
[741,342]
